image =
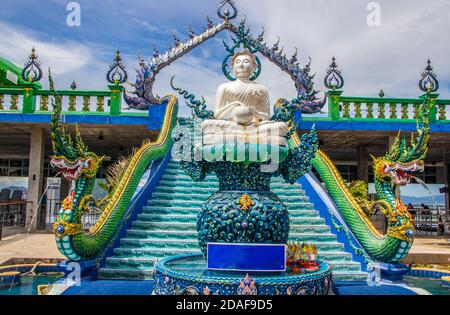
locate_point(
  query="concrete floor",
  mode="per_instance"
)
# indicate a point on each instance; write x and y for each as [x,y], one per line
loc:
[429,251]
[431,245]
[37,245]
[42,245]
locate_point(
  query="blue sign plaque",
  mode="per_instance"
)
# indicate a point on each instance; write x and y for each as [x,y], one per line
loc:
[246,257]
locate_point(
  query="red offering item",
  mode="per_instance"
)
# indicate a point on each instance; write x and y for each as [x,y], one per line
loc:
[302,257]
[296,267]
[313,266]
[290,263]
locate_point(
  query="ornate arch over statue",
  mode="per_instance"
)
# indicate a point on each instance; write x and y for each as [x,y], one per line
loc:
[144,97]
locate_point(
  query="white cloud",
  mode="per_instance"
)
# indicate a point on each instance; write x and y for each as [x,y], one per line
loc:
[193,74]
[67,59]
[390,56]
[64,57]
[145,25]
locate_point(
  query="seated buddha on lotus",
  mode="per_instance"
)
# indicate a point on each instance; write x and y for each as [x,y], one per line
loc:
[242,111]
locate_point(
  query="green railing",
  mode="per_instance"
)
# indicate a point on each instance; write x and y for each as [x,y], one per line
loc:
[29,100]
[11,99]
[26,96]
[386,109]
[21,91]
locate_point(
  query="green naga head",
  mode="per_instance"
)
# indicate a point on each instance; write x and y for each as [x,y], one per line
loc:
[403,158]
[71,156]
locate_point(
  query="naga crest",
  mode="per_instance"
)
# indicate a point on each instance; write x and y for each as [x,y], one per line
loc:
[70,155]
[403,159]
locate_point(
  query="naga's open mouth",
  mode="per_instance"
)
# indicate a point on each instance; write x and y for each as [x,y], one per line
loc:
[70,170]
[401,173]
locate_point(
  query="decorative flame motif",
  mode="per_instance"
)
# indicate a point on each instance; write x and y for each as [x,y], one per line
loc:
[191,33]
[210,23]
[117,73]
[294,57]
[429,81]
[247,287]
[289,291]
[68,201]
[32,71]
[261,36]
[176,40]
[333,79]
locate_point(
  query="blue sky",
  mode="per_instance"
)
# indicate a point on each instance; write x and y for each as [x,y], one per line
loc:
[390,56]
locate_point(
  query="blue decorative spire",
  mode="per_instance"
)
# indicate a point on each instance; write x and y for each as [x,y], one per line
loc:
[429,82]
[32,71]
[227,10]
[333,79]
[117,74]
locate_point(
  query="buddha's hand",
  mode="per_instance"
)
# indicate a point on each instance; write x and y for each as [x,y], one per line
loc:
[257,120]
[245,110]
[253,111]
[236,104]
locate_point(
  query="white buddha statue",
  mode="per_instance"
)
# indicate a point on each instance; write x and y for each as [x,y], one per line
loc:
[242,110]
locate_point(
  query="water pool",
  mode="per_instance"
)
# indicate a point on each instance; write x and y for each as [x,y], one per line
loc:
[30,283]
[431,285]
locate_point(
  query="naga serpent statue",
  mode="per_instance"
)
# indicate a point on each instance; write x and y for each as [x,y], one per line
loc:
[392,170]
[79,166]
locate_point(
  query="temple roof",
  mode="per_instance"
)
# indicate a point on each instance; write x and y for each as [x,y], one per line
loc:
[10,75]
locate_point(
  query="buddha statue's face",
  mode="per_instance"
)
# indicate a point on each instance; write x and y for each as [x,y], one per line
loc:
[243,67]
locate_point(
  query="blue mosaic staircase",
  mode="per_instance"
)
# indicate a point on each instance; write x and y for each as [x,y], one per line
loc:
[167,226]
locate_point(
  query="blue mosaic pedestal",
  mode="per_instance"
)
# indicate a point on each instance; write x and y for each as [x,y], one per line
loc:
[266,220]
[187,275]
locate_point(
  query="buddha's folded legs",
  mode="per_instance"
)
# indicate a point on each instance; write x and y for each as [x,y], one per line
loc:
[226,132]
[273,128]
[212,126]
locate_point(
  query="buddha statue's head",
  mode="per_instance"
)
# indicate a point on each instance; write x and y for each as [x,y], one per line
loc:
[244,64]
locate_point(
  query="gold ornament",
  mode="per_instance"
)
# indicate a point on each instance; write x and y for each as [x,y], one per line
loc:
[246,202]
